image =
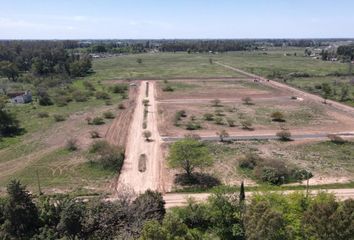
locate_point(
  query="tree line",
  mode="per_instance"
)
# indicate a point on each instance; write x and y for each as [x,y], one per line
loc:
[27,61]
[225,215]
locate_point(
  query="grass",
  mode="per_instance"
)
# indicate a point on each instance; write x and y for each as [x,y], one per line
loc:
[158,66]
[62,169]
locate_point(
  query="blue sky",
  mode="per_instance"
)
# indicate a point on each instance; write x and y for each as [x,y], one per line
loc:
[81,19]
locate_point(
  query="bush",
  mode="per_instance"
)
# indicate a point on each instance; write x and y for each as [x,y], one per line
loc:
[119,88]
[102,95]
[250,161]
[193,126]
[59,118]
[277,116]
[43,114]
[108,115]
[216,103]
[146,102]
[219,121]
[219,112]
[89,86]
[208,116]
[147,135]
[80,96]
[71,144]
[167,88]
[284,135]
[61,101]
[44,98]
[247,124]
[336,139]
[230,122]
[144,125]
[94,134]
[247,101]
[201,180]
[107,156]
[97,121]
[121,106]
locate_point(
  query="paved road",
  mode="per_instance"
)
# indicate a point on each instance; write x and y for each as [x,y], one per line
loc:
[181,199]
[261,137]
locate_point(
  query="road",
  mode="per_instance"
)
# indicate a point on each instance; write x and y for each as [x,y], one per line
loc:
[130,176]
[262,137]
[181,199]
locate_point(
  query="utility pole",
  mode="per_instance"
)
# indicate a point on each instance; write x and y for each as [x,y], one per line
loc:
[39,184]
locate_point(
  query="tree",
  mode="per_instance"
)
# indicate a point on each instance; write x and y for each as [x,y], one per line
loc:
[10,70]
[9,125]
[147,135]
[20,212]
[222,135]
[71,219]
[327,91]
[242,193]
[189,154]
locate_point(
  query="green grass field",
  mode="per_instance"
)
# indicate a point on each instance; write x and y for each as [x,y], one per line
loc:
[159,66]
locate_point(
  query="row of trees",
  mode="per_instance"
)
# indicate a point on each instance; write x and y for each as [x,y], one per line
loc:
[42,59]
[264,217]
[62,217]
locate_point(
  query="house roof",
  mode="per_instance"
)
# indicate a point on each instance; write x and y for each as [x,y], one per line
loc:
[15,94]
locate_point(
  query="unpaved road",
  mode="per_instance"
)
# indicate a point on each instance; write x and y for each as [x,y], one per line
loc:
[152,177]
[181,199]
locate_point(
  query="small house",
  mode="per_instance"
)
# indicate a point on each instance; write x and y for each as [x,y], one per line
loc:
[20,97]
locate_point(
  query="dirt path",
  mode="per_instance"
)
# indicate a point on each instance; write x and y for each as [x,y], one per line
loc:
[152,177]
[295,91]
[181,199]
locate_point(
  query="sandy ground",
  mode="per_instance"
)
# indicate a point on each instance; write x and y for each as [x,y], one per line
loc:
[152,178]
[181,199]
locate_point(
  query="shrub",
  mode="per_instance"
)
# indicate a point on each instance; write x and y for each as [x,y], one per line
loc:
[167,88]
[278,116]
[121,106]
[108,102]
[247,124]
[80,96]
[209,116]
[142,163]
[61,101]
[44,98]
[102,95]
[59,118]
[250,161]
[297,174]
[89,86]
[193,126]
[97,121]
[219,121]
[230,122]
[336,139]
[119,88]
[71,144]
[219,112]
[107,156]
[284,135]
[144,125]
[216,103]
[146,102]
[147,135]
[108,115]
[43,114]
[95,134]
[247,101]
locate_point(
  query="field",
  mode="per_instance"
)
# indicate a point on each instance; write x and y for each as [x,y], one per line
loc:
[189,83]
[196,99]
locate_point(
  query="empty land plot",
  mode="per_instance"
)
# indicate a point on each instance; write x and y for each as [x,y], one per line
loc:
[329,162]
[158,66]
[298,117]
[182,90]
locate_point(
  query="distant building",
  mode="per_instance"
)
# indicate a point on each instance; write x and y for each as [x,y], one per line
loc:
[20,97]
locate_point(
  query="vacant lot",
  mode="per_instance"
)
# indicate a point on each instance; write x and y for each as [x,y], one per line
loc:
[158,66]
[329,162]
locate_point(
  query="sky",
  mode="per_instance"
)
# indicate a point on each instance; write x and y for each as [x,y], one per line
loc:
[175,19]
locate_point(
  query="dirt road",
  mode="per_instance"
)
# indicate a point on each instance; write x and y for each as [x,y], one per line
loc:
[181,199]
[295,91]
[152,177]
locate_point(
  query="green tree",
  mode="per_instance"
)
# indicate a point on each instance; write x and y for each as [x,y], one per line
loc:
[327,91]
[9,70]
[189,154]
[9,125]
[20,213]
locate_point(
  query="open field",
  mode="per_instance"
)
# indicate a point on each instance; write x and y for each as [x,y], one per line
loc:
[196,99]
[158,66]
